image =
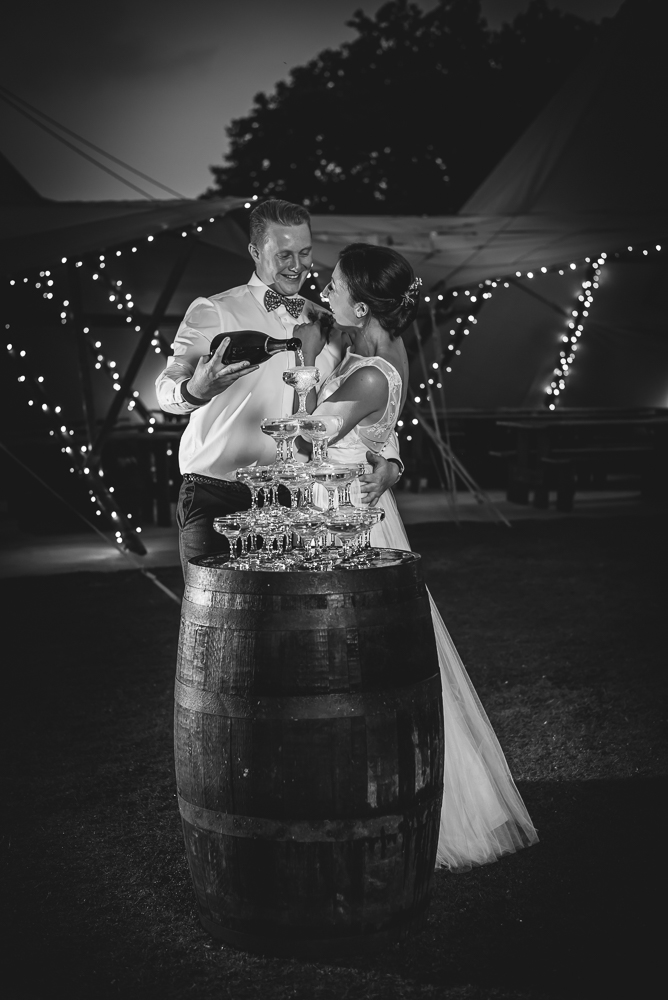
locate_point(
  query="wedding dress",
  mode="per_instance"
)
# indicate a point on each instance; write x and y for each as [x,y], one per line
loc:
[483,815]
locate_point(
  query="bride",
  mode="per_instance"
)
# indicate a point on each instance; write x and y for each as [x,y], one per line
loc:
[374,295]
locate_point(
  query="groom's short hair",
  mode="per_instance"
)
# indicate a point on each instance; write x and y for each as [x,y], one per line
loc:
[283,213]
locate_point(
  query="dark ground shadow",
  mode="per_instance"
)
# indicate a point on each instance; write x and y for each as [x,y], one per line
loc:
[562,627]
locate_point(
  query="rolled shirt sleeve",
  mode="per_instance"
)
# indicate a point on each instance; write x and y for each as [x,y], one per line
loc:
[193,339]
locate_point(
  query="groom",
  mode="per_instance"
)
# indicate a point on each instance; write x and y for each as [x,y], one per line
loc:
[227,402]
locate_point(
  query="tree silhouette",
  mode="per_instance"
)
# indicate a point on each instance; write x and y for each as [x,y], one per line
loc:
[410,116]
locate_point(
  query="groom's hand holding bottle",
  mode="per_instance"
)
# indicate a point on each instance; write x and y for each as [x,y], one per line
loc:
[212,376]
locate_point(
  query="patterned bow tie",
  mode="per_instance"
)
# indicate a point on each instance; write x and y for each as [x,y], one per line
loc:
[272,300]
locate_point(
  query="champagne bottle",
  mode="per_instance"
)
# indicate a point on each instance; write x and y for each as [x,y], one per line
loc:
[253,346]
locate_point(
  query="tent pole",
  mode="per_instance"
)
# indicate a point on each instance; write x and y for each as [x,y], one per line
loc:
[140,352]
[87,399]
[459,469]
[436,335]
[448,472]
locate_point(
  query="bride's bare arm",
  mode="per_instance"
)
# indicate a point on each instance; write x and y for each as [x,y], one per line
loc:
[362,397]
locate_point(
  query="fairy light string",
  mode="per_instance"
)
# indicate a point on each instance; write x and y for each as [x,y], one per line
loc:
[456,311]
[99,493]
[79,455]
[570,337]
[123,301]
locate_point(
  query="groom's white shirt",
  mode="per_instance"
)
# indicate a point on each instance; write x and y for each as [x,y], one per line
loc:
[224,434]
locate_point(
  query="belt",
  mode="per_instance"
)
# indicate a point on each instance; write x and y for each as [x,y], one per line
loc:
[194,477]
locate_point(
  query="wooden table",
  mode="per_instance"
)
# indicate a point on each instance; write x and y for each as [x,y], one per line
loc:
[553,451]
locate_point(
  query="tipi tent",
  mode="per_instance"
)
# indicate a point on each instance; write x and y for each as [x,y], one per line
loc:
[587,177]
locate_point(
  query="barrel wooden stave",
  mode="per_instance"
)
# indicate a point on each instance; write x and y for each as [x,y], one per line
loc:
[294,890]
[306,768]
[309,760]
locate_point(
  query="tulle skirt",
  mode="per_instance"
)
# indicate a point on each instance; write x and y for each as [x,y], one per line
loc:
[483,815]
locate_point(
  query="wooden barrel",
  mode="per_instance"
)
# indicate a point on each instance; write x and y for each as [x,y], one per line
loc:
[309,754]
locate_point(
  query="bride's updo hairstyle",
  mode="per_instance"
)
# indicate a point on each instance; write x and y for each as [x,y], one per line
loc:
[385,281]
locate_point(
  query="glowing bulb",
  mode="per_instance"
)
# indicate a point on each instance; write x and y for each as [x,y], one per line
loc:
[435,364]
[150,239]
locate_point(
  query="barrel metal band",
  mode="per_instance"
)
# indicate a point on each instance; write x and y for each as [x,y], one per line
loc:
[305,831]
[305,620]
[298,707]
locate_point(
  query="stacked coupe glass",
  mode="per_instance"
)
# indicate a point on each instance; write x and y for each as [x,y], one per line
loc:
[302,536]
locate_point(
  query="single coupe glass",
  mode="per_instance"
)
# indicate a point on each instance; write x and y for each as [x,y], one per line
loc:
[302,379]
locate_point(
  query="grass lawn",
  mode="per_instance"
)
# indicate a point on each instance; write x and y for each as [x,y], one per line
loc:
[562,626]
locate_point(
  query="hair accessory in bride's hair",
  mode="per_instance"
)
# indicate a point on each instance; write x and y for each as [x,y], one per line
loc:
[408,296]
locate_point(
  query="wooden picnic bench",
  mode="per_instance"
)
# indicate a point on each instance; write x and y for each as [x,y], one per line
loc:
[558,454]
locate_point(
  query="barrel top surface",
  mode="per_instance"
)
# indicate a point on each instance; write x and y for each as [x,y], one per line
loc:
[211,572]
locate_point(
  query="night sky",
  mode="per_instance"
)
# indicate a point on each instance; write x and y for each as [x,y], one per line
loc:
[155,82]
